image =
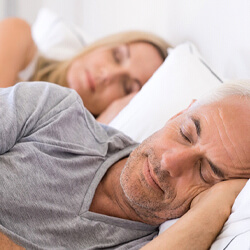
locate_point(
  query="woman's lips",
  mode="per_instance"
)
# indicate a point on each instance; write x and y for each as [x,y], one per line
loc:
[91,82]
[149,176]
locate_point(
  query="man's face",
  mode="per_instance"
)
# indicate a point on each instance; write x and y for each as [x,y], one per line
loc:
[192,152]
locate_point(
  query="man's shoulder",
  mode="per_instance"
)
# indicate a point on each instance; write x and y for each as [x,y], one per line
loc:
[41,86]
[50,91]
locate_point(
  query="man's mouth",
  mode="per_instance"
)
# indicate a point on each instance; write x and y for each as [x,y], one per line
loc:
[150,178]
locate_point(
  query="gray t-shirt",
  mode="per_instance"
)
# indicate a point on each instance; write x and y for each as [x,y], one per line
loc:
[53,154]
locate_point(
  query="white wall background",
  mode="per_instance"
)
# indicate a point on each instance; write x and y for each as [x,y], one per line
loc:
[101,17]
[219,28]
[97,17]
[123,15]
[28,9]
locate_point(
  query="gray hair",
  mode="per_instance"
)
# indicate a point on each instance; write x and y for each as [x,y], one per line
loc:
[239,88]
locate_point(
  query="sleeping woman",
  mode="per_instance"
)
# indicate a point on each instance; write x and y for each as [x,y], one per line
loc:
[106,74]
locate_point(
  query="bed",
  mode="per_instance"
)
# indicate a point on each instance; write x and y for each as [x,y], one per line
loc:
[211,46]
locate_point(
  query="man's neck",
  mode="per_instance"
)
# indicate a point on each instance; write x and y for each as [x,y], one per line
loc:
[109,198]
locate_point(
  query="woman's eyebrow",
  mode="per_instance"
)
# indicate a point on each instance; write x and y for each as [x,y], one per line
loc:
[128,55]
[128,50]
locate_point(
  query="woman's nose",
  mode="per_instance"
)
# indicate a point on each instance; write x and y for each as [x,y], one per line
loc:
[178,161]
[103,75]
[111,74]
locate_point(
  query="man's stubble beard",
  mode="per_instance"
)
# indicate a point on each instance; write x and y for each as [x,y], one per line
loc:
[152,208]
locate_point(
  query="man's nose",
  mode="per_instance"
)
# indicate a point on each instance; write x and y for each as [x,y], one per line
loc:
[178,161]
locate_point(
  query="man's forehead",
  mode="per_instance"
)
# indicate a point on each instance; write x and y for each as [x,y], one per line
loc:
[232,120]
[231,107]
[240,102]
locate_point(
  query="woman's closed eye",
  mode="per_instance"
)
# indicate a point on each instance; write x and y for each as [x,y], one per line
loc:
[120,53]
[117,55]
[130,86]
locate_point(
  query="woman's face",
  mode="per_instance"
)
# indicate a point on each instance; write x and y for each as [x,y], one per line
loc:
[109,73]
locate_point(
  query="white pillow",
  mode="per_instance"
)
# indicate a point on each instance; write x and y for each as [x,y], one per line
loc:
[56,38]
[236,231]
[182,77]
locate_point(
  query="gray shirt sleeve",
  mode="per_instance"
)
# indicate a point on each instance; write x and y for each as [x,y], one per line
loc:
[53,155]
[27,105]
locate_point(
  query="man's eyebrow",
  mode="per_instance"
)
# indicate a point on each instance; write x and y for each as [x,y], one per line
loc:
[216,170]
[197,124]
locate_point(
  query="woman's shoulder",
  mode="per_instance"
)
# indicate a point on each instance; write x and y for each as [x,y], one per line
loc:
[16,21]
[13,28]
[16,45]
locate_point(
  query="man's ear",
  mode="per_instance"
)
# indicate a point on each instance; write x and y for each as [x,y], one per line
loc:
[192,102]
[184,110]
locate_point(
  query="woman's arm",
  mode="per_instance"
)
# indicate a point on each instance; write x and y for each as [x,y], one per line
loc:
[198,228]
[7,244]
[114,108]
[17,49]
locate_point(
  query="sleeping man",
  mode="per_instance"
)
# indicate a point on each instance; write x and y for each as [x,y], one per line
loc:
[68,182]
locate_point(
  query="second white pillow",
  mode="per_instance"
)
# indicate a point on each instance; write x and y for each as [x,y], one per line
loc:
[182,77]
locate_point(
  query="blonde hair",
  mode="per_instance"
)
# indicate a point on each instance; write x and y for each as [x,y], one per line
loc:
[55,71]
